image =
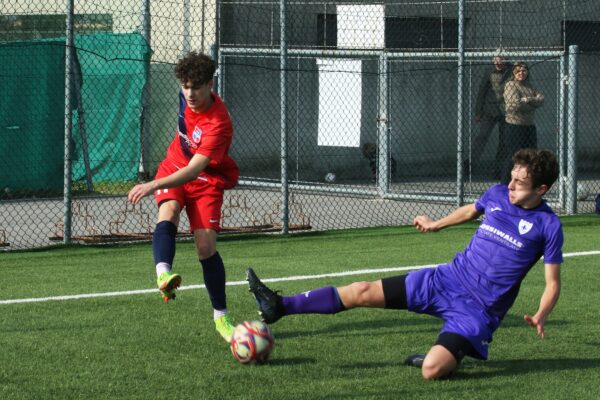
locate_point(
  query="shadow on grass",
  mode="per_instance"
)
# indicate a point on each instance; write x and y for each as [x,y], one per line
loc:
[386,393]
[374,365]
[472,369]
[352,328]
[291,361]
[419,325]
[513,320]
[523,366]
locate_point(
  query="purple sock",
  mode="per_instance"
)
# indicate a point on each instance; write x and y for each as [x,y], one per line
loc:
[325,300]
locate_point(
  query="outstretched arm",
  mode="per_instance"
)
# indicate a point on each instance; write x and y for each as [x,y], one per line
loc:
[548,300]
[458,216]
[191,171]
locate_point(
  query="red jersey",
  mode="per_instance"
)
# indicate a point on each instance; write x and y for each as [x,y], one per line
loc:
[208,133]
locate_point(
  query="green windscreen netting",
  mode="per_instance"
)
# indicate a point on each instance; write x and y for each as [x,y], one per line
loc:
[106,112]
[114,73]
[32,88]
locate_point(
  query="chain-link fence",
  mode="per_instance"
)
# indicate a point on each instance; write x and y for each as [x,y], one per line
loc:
[346,114]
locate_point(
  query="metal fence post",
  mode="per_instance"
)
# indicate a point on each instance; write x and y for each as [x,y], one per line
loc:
[459,105]
[67,194]
[186,45]
[216,53]
[571,181]
[561,131]
[283,116]
[219,79]
[146,92]
[383,147]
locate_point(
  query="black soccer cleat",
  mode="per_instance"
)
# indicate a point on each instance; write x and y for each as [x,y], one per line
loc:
[269,303]
[415,360]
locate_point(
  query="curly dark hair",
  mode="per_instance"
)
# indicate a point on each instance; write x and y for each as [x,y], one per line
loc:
[542,165]
[195,68]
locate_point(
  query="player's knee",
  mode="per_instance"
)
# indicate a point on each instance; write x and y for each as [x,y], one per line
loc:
[174,219]
[361,293]
[435,370]
[206,243]
[169,211]
[205,249]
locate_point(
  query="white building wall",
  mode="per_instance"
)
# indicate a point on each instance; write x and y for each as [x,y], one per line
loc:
[167,34]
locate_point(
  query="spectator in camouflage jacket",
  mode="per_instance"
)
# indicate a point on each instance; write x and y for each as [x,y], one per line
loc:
[521,100]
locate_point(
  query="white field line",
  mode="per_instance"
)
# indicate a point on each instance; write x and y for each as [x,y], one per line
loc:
[238,283]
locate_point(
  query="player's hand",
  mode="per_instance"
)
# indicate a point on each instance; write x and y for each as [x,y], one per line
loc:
[524,99]
[424,224]
[537,323]
[138,192]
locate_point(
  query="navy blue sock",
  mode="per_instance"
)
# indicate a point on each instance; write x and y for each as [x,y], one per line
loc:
[214,279]
[163,242]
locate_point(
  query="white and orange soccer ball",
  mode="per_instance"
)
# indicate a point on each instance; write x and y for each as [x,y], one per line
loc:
[252,341]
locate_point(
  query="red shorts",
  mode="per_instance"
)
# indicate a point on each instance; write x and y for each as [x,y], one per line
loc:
[201,200]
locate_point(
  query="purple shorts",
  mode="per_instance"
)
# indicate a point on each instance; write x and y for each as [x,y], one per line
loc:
[434,292]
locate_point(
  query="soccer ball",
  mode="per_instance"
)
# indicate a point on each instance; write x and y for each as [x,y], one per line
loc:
[252,341]
[583,191]
[330,177]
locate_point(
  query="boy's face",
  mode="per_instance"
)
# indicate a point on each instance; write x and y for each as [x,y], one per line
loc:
[197,97]
[521,191]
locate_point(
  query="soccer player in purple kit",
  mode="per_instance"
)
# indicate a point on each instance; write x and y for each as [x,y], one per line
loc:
[473,292]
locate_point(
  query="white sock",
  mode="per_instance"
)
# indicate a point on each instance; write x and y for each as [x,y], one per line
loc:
[219,313]
[162,267]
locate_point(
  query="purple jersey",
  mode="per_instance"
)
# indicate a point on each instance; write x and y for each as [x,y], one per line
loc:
[509,241]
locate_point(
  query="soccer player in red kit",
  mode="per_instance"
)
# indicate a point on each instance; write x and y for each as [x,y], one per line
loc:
[194,175]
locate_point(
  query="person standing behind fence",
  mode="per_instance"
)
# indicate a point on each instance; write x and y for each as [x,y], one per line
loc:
[194,175]
[489,108]
[521,101]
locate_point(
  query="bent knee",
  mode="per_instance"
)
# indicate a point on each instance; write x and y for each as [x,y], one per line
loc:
[205,250]
[206,244]
[364,294]
[431,371]
[169,211]
[360,287]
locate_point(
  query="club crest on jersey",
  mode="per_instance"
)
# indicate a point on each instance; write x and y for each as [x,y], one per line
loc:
[524,226]
[197,135]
